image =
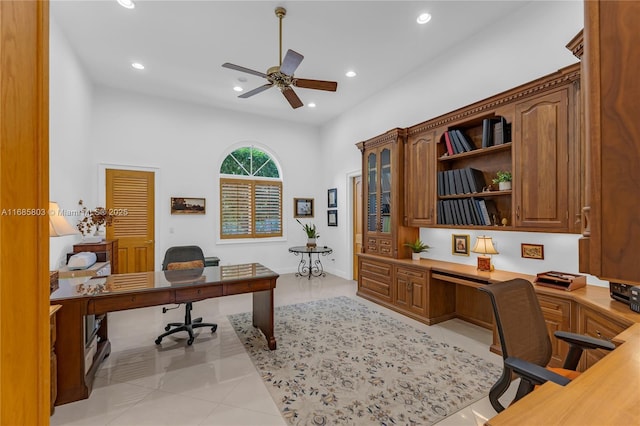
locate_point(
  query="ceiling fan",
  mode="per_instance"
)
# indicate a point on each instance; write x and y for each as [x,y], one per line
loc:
[282,76]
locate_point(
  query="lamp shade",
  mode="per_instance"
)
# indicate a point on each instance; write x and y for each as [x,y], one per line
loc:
[484,245]
[58,224]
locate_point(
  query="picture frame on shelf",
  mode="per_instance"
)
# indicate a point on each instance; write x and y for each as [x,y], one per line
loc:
[332,217]
[187,205]
[302,207]
[332,197]
[532,251]
[460,244]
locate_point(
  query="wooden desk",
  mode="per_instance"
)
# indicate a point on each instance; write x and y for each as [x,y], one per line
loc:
[98,296]
[606,394]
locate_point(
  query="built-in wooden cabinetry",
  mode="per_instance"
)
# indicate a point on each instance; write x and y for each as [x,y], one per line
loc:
[385,230]
[542,153]
[410,285]
[557,314]
[600,325]
[611,232]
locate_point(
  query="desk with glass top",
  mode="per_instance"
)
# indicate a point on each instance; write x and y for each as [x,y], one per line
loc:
[314,267]
[85,296]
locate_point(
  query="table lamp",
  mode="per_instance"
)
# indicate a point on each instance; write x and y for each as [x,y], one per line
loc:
[484,245]
[58,224]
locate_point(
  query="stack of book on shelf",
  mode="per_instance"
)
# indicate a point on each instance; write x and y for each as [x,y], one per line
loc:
[495,131]
[460,181]
[467,211]
[457,142]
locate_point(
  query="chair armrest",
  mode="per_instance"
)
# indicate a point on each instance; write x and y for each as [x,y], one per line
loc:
[585,342]
[534,373]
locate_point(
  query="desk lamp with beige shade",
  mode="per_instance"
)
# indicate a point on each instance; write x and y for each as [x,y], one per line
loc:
[59,226]
[484,246]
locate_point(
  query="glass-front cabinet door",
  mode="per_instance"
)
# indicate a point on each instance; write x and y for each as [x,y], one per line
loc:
[372,192]
[385,191]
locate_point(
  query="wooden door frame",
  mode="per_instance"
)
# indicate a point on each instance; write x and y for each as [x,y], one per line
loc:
[349,215]
[24,238]
[102,197]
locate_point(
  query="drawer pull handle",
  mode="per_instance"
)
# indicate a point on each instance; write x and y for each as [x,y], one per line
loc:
[199,291]
[133,298]
[598,333]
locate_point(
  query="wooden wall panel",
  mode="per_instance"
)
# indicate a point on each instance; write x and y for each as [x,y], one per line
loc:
[24,197]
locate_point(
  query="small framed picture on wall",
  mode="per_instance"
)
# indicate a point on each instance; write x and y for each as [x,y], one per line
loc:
[303,207]
[332,217]
[332,197]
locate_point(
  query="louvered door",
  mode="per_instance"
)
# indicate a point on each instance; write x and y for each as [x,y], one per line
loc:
[130,197]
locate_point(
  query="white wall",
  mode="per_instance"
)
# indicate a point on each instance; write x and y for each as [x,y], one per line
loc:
[529,44]
[70,98]
[186,144]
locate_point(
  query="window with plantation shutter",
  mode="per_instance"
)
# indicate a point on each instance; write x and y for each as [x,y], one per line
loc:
[250,195]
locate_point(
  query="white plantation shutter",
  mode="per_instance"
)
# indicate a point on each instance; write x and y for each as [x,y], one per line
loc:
[268,202]
[250,208]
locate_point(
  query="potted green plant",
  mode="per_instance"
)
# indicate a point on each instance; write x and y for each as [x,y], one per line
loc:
[311,231]
[417,247]
[503,179]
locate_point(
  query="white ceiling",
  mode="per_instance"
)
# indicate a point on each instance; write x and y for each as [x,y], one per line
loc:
[184,43]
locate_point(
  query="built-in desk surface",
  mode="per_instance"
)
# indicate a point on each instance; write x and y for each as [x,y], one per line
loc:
[606,394]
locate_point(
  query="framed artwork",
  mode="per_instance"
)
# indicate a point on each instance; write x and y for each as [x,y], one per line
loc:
[532,251]
[332,217]
[303,207]
[332,197]
[183,205]
[460,244]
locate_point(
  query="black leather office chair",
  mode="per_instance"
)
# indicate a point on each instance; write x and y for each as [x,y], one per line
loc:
[182,260]
[525,342]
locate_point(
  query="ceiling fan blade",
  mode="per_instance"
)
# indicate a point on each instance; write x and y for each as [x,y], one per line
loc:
[330,86]
[243,69]
[290,62]
[256,91]
[291,96]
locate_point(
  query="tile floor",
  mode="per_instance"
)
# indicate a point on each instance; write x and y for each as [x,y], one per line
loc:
[213,382]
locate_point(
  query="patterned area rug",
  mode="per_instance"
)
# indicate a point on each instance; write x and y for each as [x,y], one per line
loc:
[340,362]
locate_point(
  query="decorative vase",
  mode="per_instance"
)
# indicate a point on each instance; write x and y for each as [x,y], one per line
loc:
[99,231]
[311,243]
[415,256]
[504,186]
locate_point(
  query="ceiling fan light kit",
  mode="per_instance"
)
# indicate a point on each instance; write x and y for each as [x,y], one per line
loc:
[281,76]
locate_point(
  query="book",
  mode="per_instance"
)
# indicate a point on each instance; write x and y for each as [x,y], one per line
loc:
[441,183]
[484,212]
[466,143]
[475,214]
[501,132]
[467,212]
[448,215]
[466,188]
[487,133]
[457,145]
[452,185]
[440,218]
[475,178]
[457,177]
[447,142]
[492,210]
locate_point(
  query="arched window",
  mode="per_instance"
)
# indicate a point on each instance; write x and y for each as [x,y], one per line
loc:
[250,195]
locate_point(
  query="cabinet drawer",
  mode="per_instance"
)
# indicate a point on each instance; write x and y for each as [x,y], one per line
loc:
[597,325]
[246,287]
[378,271]
[378,288]
[412,273]
[193,294]
[117,303]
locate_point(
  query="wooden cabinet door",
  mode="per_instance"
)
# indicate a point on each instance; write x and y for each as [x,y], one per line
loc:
[541,181]
[557,315]
[612,214]
[411,290]
[420,186]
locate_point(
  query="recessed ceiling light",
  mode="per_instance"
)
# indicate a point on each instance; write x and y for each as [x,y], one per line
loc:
[238,89]
[137,65]
[129,4]
[423,18]
[351,74]
[311,105]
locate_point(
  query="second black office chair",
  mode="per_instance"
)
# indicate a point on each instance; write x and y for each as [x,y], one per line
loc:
[525,341]
[184,257]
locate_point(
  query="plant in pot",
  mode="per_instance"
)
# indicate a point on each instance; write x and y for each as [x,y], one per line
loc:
[311,231]
[503,179]
[417,247]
